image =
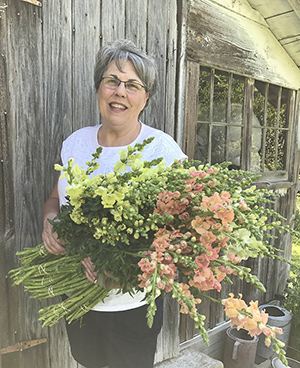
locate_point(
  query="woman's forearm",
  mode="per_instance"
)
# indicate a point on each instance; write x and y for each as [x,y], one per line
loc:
[51,208]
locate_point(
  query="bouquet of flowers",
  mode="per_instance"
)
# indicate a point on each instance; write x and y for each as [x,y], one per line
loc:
[183,230]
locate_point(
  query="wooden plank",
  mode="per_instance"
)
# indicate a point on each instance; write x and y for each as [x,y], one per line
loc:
[6,189]
[182,11]
[270,8]
[292,45]
[136,13]
[191,102]
[237,45]
[171,61]
[6,193]
[136,18]
[217,336]
[113,20]
[279,23]
[25,114]
[155,115]
[86,42]
[58,58]
[168,339]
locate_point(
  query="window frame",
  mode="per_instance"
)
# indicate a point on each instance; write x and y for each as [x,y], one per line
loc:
[271,178]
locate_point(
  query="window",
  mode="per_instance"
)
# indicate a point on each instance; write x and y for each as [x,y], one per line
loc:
[244,121]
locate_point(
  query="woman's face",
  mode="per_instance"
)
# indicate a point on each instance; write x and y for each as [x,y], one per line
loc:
[117,106]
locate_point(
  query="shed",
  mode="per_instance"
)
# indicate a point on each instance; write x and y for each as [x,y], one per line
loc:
[229,80]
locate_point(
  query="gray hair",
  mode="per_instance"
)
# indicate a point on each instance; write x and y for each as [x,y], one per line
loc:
[121,51]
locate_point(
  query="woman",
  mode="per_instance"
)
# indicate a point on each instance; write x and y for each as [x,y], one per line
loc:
[115,333]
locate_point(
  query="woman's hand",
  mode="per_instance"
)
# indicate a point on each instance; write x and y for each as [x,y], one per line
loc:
[51,241]
[50,211]
[91,275]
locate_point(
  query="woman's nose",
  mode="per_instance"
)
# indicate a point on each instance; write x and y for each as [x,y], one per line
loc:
[121,89]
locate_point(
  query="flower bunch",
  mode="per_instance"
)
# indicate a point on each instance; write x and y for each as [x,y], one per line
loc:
[182,230]
[255,321]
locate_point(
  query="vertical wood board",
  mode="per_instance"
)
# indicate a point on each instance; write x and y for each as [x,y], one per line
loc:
[136,18]
[86,42]
[25,117]
[58,60]
[191,102]
[156,46]
[113,20]
[171,66]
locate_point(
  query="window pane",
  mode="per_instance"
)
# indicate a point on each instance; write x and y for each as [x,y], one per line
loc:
[258,124]
[238,91]
[220,97]
[234,145]
[202,140]
[218,144]
[256,151]
[223,130]
[281,150]
[270,150]
[204,94]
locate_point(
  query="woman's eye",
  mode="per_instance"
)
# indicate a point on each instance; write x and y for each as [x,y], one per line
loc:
[112,82]
[132,86]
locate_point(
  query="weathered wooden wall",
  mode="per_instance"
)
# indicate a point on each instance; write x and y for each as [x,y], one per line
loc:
[46,92]
[220,37]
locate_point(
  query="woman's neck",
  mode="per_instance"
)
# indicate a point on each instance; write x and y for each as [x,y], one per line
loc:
[114,137]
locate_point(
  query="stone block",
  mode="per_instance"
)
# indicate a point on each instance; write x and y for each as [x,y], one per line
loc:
[190,359]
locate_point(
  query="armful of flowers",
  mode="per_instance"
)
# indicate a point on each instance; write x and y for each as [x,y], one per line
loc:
[145,225]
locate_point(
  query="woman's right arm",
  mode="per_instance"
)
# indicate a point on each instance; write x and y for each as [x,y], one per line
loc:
[50,210]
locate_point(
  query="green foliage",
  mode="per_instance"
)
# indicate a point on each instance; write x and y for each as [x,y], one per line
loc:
[292,300]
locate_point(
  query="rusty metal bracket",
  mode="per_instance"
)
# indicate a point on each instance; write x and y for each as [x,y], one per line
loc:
[34,2]
[20,346]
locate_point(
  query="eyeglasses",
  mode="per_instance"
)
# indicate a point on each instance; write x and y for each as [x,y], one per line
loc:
[131,86]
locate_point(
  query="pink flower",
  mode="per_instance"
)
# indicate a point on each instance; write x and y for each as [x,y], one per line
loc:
[160,244]
[225,196]
[208,238]
[243,205]
[184,216]
[147,266]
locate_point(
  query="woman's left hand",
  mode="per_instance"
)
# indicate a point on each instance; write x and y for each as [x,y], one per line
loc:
[91,275]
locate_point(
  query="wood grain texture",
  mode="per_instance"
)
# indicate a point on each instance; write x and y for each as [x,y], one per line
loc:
[136,18]
[6,192]
[25,116]
[218,37]
[113,20]
[156,46]
[58,60]
[191,101]
[86,43]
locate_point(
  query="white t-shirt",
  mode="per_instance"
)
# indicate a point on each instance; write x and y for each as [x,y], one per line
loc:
[79,146]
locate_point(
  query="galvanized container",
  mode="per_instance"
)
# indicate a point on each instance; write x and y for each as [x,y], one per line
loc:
[240,349]
[278,317]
